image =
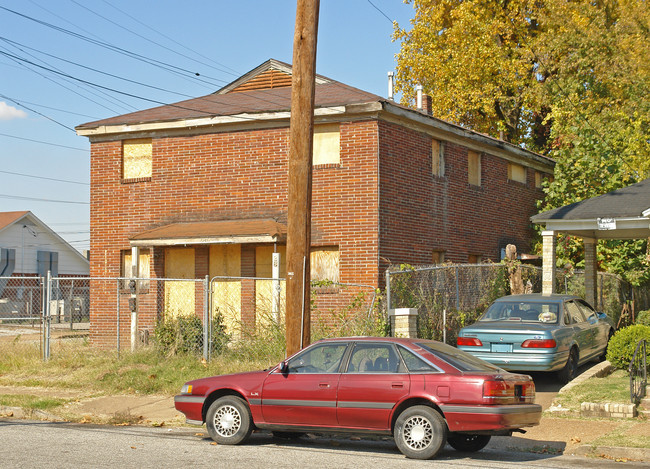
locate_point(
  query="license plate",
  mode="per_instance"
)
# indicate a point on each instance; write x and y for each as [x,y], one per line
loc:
[501,348]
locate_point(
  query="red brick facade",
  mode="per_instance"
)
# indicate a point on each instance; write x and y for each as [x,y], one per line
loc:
[381,204]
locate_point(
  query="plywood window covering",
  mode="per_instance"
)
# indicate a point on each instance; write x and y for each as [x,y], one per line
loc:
[474,168]
[325,264]
[179,295]
[437,257]
[136,158]
[539,177]
[516,172]
[144,268]
[474,259]
[327,144]
[437,158]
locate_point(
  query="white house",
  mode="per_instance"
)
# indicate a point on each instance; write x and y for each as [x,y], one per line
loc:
[28,250]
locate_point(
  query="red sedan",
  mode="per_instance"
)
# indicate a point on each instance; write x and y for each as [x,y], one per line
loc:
[423,392]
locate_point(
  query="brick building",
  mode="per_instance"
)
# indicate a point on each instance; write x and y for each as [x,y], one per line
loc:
[200,187]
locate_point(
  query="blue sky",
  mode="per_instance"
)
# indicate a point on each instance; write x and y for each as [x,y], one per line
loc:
[47,87]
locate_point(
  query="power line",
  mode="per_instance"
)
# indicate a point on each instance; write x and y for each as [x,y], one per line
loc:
[96,70]
[44,143]
[121,26]
[380,11]
[35,111]
[232,71]
[157,63]
[36,199]
[60,110]
[47,178]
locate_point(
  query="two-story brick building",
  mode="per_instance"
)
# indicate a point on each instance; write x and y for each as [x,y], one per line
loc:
[200,186]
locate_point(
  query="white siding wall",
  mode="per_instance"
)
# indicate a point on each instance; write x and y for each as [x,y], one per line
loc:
[15,237]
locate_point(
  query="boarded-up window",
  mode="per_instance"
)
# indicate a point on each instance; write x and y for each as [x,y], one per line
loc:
[144,268]
[327,144]
[437,257]
[474,259]
[179,295]
[437,158]
[516,172]
[225,261]
[325,264]
[474,168]
[136,158]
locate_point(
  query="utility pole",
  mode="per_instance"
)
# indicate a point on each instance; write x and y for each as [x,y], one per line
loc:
[301,135]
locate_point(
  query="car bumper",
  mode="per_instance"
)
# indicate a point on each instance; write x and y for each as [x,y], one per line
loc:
[191,406]
[464,418]
[522,361]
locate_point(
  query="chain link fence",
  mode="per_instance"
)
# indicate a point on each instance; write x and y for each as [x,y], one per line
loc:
[449,297]
[233,316]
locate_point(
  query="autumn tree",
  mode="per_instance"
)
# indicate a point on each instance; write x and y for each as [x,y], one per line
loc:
[569,79]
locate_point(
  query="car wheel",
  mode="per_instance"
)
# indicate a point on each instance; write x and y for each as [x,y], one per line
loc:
[420,432]
[229,420]
[468,443]
[570,369]
[603,357]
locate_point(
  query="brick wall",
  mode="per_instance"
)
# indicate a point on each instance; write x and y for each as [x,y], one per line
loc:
[229,176]
[421,212]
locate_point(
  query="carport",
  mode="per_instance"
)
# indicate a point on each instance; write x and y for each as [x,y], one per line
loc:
[620,214]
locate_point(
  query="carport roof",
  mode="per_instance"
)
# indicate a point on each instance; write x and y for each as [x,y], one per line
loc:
[620,214]
[212,232]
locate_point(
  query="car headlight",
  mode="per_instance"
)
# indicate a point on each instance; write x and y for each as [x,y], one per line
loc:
[186,389]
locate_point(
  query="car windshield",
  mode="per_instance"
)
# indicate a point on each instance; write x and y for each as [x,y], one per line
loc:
[526,311]
[460,360]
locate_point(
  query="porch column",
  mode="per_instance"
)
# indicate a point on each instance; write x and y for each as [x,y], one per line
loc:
[548,262]
[133,300]
[591,274]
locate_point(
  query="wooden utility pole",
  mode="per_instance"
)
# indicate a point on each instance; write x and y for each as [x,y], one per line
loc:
[301,132]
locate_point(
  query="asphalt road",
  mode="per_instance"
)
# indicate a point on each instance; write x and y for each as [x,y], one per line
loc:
[36,444]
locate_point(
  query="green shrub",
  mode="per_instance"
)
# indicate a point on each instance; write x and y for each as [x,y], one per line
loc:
[184,334]
[622,345]
[643,318]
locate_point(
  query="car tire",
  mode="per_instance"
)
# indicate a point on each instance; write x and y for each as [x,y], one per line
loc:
[570,369]
[603,356]
[420,432]
[468,443]
[229,420]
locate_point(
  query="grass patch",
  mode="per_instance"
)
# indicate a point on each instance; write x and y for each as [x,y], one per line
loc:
[31,402]
[614,388]
[621,437]
[90,370]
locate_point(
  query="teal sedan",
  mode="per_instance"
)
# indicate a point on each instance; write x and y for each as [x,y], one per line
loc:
[535,332]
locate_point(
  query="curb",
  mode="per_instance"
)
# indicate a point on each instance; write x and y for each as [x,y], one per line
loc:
[20,413]
[601,369]
[612,452]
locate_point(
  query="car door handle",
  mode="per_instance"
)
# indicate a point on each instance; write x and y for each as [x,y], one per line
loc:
[324,385]
[398,385]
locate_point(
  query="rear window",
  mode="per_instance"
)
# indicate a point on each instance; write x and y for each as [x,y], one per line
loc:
[522,311]
[460,360]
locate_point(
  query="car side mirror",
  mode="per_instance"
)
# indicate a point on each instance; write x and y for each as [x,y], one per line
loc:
[284,367]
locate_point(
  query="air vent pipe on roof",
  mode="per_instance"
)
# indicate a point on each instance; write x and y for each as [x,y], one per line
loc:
[418,90]
[391,84]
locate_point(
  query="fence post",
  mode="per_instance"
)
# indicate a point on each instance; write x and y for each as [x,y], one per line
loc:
[206,318]
[48,317]
[387,292]
[457,292]
[71,304]
[118,317]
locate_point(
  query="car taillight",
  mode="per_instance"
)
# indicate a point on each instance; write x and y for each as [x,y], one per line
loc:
[539,343]
[498,391]
[470,341]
